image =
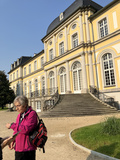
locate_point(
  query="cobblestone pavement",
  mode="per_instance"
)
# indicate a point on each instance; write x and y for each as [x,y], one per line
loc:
[58,146]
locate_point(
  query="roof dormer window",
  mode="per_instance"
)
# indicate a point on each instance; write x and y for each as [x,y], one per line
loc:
[61,16]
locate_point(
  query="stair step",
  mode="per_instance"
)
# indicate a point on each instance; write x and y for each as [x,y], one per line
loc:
[78,105]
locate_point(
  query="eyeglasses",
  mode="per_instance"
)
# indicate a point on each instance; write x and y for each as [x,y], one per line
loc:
[18,106]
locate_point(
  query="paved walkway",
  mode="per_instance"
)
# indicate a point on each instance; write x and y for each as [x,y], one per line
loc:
[58,146]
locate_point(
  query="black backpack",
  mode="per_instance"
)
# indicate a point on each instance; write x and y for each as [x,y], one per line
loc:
[39,137]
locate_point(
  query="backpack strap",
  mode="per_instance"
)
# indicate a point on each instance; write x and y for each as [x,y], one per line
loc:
[43,150]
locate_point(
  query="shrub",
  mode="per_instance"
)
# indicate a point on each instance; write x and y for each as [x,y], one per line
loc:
[111,126]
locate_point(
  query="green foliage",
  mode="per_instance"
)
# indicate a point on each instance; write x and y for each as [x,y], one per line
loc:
[92,137]
[111,126]
[6,93]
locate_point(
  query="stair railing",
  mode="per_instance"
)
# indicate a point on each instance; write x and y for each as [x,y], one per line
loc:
[103,97]
[49,104]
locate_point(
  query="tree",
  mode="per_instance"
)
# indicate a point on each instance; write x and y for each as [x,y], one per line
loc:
[6,93]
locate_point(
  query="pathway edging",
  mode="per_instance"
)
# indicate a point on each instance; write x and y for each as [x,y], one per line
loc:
[90,151]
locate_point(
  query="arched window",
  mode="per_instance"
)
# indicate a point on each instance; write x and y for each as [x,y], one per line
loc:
[63,80]
[18,89]
[77,77]
[108,69]
[30,89]
[43,85]
[36,87]
[52,82]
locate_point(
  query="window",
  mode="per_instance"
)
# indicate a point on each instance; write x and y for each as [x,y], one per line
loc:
[13,75]
[109,77]
[75,40]
[63,84]
[43,86]
[52,82]
[17,74]
[35,65]
[61,48]
[77,77]
[25,71]
[25,89]
[74,26]
[29,68]
[38,106]
[51,54]
[50,43]
[42,61]
[36,87]
[30,89]
[103,27]
[61,35]
[61,16]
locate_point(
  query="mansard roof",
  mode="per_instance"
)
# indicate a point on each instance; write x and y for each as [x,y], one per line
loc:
[23,60]
[78,4]
[20,61]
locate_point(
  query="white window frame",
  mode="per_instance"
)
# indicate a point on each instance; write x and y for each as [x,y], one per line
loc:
[98,26]
[51,54]
[35,65]
[36,85]
[24,71]
[14,76]
[38,106]
[11,77]
[29,68]
[78,71]
[75,40]
[30,89]
[17,74]
[43,85]
[61,48]
[63,86]
[42,61]
[108,68]
[25,89]
[52,82]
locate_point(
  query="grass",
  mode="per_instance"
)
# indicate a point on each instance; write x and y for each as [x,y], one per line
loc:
[94,137]
[5,108]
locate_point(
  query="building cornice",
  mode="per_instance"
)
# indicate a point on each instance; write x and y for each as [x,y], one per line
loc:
[103,10]
[106,37]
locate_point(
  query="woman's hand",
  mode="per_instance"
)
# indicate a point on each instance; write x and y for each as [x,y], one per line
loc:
[7,141]
[8,125]
[11,145]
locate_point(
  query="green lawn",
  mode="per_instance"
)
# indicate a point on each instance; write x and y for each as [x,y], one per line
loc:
[93,138]
[5,108]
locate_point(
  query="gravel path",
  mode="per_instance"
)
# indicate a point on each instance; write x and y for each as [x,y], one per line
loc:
[58,146]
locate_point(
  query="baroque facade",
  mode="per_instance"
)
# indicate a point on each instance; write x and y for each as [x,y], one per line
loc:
[81,49]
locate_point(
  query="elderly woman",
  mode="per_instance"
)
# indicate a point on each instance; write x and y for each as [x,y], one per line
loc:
[25,123]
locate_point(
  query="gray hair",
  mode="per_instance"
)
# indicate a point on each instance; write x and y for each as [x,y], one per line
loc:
[22,100]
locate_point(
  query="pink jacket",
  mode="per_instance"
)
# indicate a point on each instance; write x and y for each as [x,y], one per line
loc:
[29,122]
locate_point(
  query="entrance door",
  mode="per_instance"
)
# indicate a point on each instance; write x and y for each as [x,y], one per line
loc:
[77,77]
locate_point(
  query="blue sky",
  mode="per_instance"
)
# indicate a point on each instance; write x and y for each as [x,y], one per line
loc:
[23,23]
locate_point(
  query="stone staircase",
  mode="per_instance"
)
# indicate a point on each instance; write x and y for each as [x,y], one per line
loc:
[70,105]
